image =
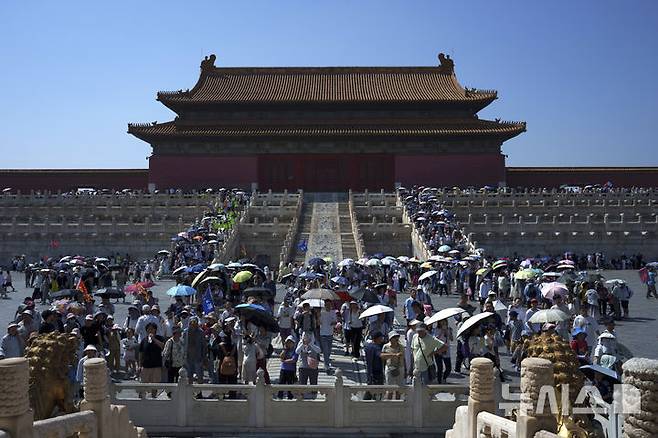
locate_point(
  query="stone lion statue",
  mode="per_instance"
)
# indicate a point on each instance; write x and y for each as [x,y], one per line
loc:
[51,357]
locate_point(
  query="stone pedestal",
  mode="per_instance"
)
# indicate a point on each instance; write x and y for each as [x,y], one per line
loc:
[639,399]
[96,395]
[16,417]
[481,392]
[535,374]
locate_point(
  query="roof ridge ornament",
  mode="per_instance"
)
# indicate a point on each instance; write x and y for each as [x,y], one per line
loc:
[447,65]
[208,63]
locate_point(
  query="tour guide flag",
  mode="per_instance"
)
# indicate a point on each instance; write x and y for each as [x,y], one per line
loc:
[207,304]
[82,287]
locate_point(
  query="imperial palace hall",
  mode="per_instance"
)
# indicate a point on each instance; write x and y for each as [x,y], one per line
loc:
[327,129]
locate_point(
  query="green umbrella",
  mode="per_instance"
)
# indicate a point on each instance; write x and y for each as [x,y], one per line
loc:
[242,276]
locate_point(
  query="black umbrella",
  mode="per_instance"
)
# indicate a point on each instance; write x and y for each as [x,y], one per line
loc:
[259,292]
[363,294]
[110,292]
[257,315]
[317,261]
[66,293]
[286,278]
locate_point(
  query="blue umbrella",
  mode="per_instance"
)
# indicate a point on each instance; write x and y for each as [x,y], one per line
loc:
[181,291]
[340,280]
[316,261]
[196,268]
[310,276]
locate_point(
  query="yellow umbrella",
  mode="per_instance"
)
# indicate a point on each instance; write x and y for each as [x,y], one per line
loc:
[242,276]
[525,274]
[426,265]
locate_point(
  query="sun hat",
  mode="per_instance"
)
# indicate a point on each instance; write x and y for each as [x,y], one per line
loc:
[90,348]
[70,315]
[393,334]
[290,338]
[146,308]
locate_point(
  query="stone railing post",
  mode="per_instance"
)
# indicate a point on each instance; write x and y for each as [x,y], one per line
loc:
[182,397]
[481,392]
[340,401]
[259,401]
[96,396]
[16,417]
[418,399]
[638,402]
[536,374]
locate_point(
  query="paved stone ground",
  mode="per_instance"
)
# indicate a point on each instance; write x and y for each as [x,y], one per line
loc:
[639,333]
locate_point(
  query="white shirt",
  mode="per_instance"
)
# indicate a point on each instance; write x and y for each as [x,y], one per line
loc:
[284,316]
[328,320]
[590,326]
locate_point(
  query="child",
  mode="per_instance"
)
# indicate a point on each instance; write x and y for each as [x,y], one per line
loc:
[130,345]
[514,330]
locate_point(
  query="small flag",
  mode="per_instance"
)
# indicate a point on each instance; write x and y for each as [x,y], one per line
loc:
[302,246]
[207,303]
[82,287]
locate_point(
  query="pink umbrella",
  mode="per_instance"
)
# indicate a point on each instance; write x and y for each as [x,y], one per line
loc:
[135,288]
[552,289]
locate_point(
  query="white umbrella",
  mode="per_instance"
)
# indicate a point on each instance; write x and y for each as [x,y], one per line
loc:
[427,275]
[163,252]
[313,302]
[216,267]
[499,306]
[403,259]
[615,281]
[444,314]
[321,294]
[375,310]
[346,262]
[472,322]
[374,262]
[209,279]
[102,260]
[548,315]
[550,290]
[212,242]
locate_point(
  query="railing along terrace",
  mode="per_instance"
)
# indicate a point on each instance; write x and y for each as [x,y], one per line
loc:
[291,407]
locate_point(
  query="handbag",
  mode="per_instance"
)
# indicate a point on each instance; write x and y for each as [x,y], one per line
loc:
[431,369]
[228,366]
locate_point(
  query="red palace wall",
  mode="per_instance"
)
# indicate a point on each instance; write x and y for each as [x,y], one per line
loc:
[557,176]
[450,170]
[66,180]
[197,172]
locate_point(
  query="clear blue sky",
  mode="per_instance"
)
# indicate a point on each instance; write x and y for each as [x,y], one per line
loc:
[583,74]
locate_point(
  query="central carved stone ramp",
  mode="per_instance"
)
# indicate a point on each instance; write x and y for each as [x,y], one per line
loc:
[325,238]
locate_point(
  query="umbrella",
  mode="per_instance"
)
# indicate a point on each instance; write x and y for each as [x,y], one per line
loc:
[210,279]
[552,289]
[403,259]
[552,274]
[363,294]
[340,280]
[652,264]
[136,287]
[591,370]
[444,248]
[313,302]
[346,262]
[212,242]
[216,267]
[525,274]
[249,266]
[65,293]
[321,294]
[65,259]
[316,261]
[259,292]
[427,275]
[242,276]
[615,281]
[454,252]
[566,262]
[444,314]
[234,265]
[375,310]
[181,291]
[110,292]
[163,252]
[258,315]
[379,255]
[482,272]
[286,278]
[414,260]
[499,306]
[196,268]
[200,276]
[388,261]
[548,315]
[179,270]
[426,265]
[102,260]
[310,276]
[374,262]
[472,322]
[565,267]
[526,263]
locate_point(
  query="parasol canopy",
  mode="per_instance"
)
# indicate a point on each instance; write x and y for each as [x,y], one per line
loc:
[313,302]
[591,370]
[242,276]
[259,292]
[375,310]
[427,275]
[472,322]
[548,315]
[444,314]
[553,289]
[258,315]
[321,294]
[181,291]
